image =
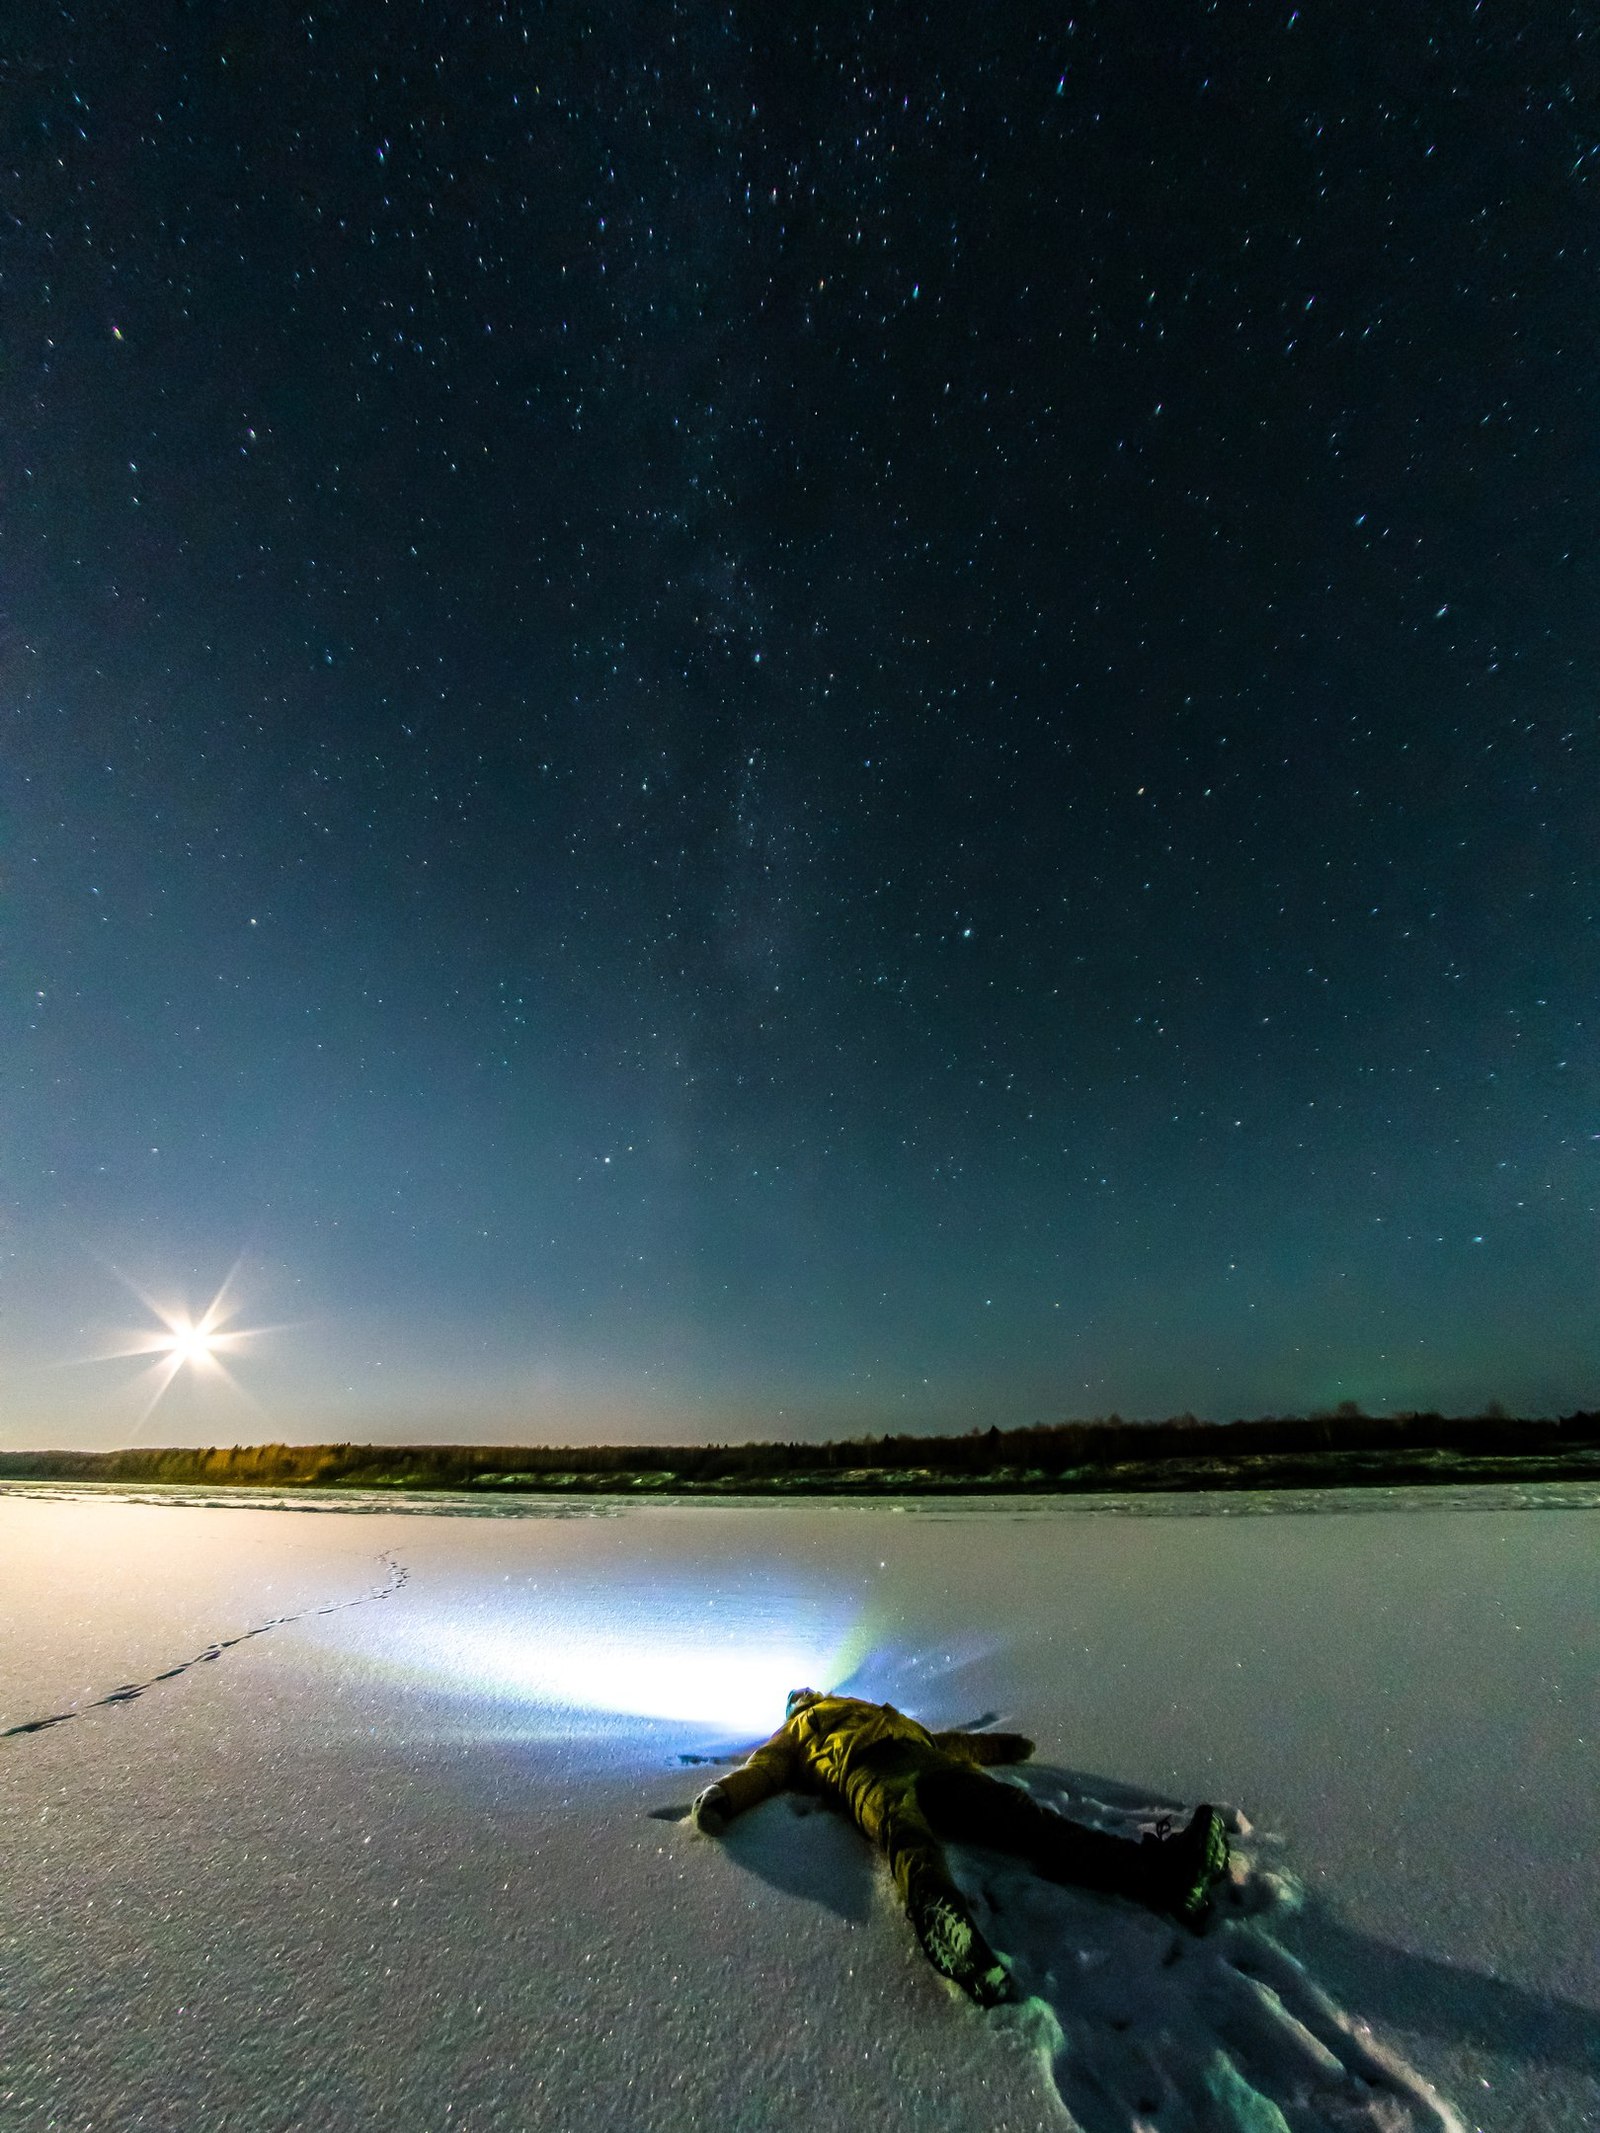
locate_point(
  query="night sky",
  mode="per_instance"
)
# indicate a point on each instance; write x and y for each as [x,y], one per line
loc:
[739,720]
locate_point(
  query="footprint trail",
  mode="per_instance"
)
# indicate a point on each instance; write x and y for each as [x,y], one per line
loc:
[130,1690]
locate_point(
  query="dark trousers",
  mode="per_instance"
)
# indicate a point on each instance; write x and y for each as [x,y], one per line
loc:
[955,1803]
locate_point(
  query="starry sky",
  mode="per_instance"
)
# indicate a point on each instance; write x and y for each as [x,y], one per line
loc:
[730,720]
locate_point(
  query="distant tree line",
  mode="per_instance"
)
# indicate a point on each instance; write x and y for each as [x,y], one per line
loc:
[1179,1452]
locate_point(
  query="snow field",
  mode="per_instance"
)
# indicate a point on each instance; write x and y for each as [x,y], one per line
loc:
[412,1864]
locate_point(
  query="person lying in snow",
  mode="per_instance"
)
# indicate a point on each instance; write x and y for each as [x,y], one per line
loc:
[907,1788]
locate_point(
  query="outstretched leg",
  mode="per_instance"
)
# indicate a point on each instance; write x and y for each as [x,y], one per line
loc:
[1175,1874]
[974,1808]
[937,1909]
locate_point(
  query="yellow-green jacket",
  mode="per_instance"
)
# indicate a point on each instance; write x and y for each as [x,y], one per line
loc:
[866,1756]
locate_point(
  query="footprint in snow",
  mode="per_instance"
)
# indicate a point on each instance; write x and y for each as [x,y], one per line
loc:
[131,1690]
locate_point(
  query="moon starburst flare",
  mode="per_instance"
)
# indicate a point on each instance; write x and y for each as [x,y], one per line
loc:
[195,1342]
[181,1341]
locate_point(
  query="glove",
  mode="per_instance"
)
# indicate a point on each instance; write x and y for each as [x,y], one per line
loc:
[710,1811]
[1007,1747]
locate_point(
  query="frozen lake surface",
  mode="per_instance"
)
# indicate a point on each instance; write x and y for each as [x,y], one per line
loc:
[413,1859]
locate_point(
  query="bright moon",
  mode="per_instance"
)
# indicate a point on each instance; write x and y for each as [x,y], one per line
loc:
[192,1344]
[182,1342]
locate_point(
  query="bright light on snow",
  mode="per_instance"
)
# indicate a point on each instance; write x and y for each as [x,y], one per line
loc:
[653,1677]
[660,1657]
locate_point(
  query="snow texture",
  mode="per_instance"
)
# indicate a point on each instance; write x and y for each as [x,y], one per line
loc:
[418,1857]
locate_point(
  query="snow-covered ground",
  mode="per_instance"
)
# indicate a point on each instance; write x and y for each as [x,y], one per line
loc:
[418,1862]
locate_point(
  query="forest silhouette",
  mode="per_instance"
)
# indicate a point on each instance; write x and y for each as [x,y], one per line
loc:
[1341,1448]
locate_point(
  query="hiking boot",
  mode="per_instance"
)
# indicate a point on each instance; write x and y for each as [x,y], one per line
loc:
[958,1951]
[1184,1868]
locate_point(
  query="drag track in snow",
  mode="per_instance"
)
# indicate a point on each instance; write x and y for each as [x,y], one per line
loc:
[130,1691]
[1143,2024]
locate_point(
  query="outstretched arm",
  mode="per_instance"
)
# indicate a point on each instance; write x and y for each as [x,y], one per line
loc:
[985,1747]
[769,1770]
